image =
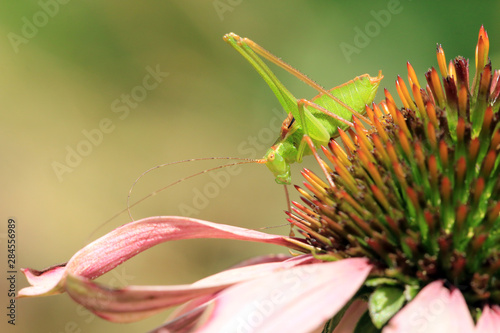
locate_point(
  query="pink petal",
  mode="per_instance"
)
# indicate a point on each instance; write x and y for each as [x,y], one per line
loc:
[132,238]
[138,302]
[351,317]
[434,309]
[186,323]
[489,322]
[43,283]
[129,240]
[249,262]
[235,275]
[201,302]
[133,302]
[294,300]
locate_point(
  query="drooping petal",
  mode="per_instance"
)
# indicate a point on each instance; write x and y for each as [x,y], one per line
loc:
[43,283]
[137,302]
[131,303]
[129,240]
[132,238]
[435,309]
[294,300]
[489,322]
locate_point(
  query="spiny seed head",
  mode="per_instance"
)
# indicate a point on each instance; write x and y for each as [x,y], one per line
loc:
[418,193]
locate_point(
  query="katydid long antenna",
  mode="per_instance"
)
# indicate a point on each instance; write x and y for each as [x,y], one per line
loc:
[129,206]
[241,161]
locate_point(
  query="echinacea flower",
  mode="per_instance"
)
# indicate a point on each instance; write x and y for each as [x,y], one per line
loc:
[403,236]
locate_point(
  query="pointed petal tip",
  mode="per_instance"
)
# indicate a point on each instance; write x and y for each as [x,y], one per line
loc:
[43,283]
[434,309]
[489,322]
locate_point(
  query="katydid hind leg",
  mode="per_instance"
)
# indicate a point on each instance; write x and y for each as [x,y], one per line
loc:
[250,50]
[284,96]
[301,76]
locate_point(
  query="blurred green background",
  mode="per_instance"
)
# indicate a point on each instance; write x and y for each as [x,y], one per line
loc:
[69,73]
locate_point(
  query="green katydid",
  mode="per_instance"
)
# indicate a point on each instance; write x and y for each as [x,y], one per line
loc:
[318,119]
[308,124]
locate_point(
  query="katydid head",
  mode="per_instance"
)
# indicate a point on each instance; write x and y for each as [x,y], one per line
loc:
[278,166]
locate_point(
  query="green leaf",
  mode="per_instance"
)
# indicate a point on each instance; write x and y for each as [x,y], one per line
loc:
[384,302]
[365,325]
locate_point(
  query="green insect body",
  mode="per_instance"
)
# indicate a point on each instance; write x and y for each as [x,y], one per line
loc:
[319,119]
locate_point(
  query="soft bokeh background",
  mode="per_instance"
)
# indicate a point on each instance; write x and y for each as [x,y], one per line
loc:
[65,78]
